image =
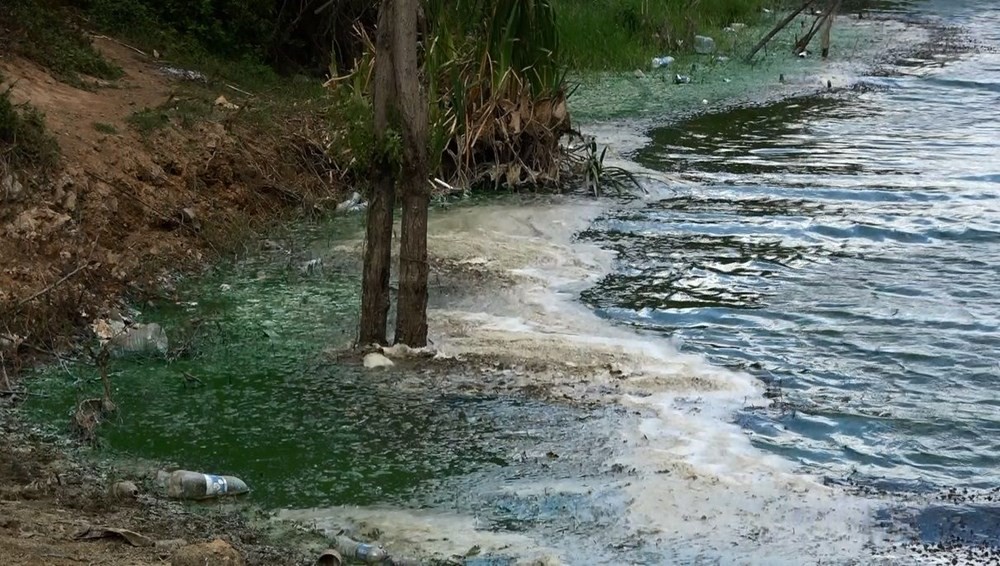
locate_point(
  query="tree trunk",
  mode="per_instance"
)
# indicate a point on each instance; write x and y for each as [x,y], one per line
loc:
[411,319]
[378,235]
[827,26]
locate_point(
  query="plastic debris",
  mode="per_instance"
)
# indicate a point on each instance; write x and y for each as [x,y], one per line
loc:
[184,484]
[353,203]
[665,61]
[704,45]
[183,74]
[377,360]
[140,339]
[360,551]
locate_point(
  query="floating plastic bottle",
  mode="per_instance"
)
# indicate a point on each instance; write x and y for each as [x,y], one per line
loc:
[360,551]
[140,339]
[183,484]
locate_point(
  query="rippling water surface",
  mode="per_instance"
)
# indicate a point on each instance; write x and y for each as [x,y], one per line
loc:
[846,250]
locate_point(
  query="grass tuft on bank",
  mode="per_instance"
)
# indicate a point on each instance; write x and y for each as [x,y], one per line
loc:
[621,35]
[45,32]
[24,141]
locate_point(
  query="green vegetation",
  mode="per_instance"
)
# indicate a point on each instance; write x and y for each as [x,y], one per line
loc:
[105,128]
[39,30]
[184,112]
[148,120]
[238,40]
[24,141]
[616,35]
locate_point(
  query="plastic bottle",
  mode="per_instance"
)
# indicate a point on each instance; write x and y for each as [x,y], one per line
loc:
[140,339]
[360,551]
[183,484]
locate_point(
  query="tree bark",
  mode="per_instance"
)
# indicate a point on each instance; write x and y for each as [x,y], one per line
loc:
[411,319]
[378,234]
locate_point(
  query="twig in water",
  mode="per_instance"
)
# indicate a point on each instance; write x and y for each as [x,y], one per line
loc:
[188,377]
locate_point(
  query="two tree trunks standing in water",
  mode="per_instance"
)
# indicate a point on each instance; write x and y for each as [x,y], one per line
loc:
[400,106]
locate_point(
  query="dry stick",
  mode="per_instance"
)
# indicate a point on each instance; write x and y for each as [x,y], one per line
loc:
[781,25]
[54,285]
[48,289]
[239,90]
[136,49]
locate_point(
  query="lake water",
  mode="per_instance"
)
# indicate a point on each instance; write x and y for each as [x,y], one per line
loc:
[846,251]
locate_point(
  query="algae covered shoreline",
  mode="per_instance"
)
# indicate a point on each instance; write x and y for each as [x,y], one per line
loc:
[547,270]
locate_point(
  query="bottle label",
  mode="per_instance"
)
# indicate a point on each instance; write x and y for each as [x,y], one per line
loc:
[215,485]
[363,552]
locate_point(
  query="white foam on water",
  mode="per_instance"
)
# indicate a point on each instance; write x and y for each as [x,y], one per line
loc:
[415,532]
[702,489]
[701,492]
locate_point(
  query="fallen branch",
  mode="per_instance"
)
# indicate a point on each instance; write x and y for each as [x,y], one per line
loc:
[239,90]
[781,25]
[48,289]
[136,49]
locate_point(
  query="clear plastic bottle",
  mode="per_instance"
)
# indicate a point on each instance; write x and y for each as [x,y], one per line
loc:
[360,551]
[184,484]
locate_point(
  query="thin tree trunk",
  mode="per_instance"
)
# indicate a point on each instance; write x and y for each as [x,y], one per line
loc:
[781,25]
[821,23]
[378,235]
[827,27]
[411,319]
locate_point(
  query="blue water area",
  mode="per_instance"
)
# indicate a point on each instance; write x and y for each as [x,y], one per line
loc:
[845,249]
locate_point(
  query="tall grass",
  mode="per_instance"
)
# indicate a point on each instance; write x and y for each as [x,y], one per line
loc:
[496,92]
[606,35]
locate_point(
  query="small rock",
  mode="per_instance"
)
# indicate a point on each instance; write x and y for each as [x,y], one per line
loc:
[38,222]
[189,218]
[377,360]
[10,188]
[639,74]
[124,490]
[704,45]
[221,101]
[69,202]
[171,544]
[215,553]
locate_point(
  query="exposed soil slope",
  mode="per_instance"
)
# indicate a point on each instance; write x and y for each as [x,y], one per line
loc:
[152,178]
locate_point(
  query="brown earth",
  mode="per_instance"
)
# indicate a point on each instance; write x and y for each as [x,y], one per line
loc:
[121,213]
[125,208]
